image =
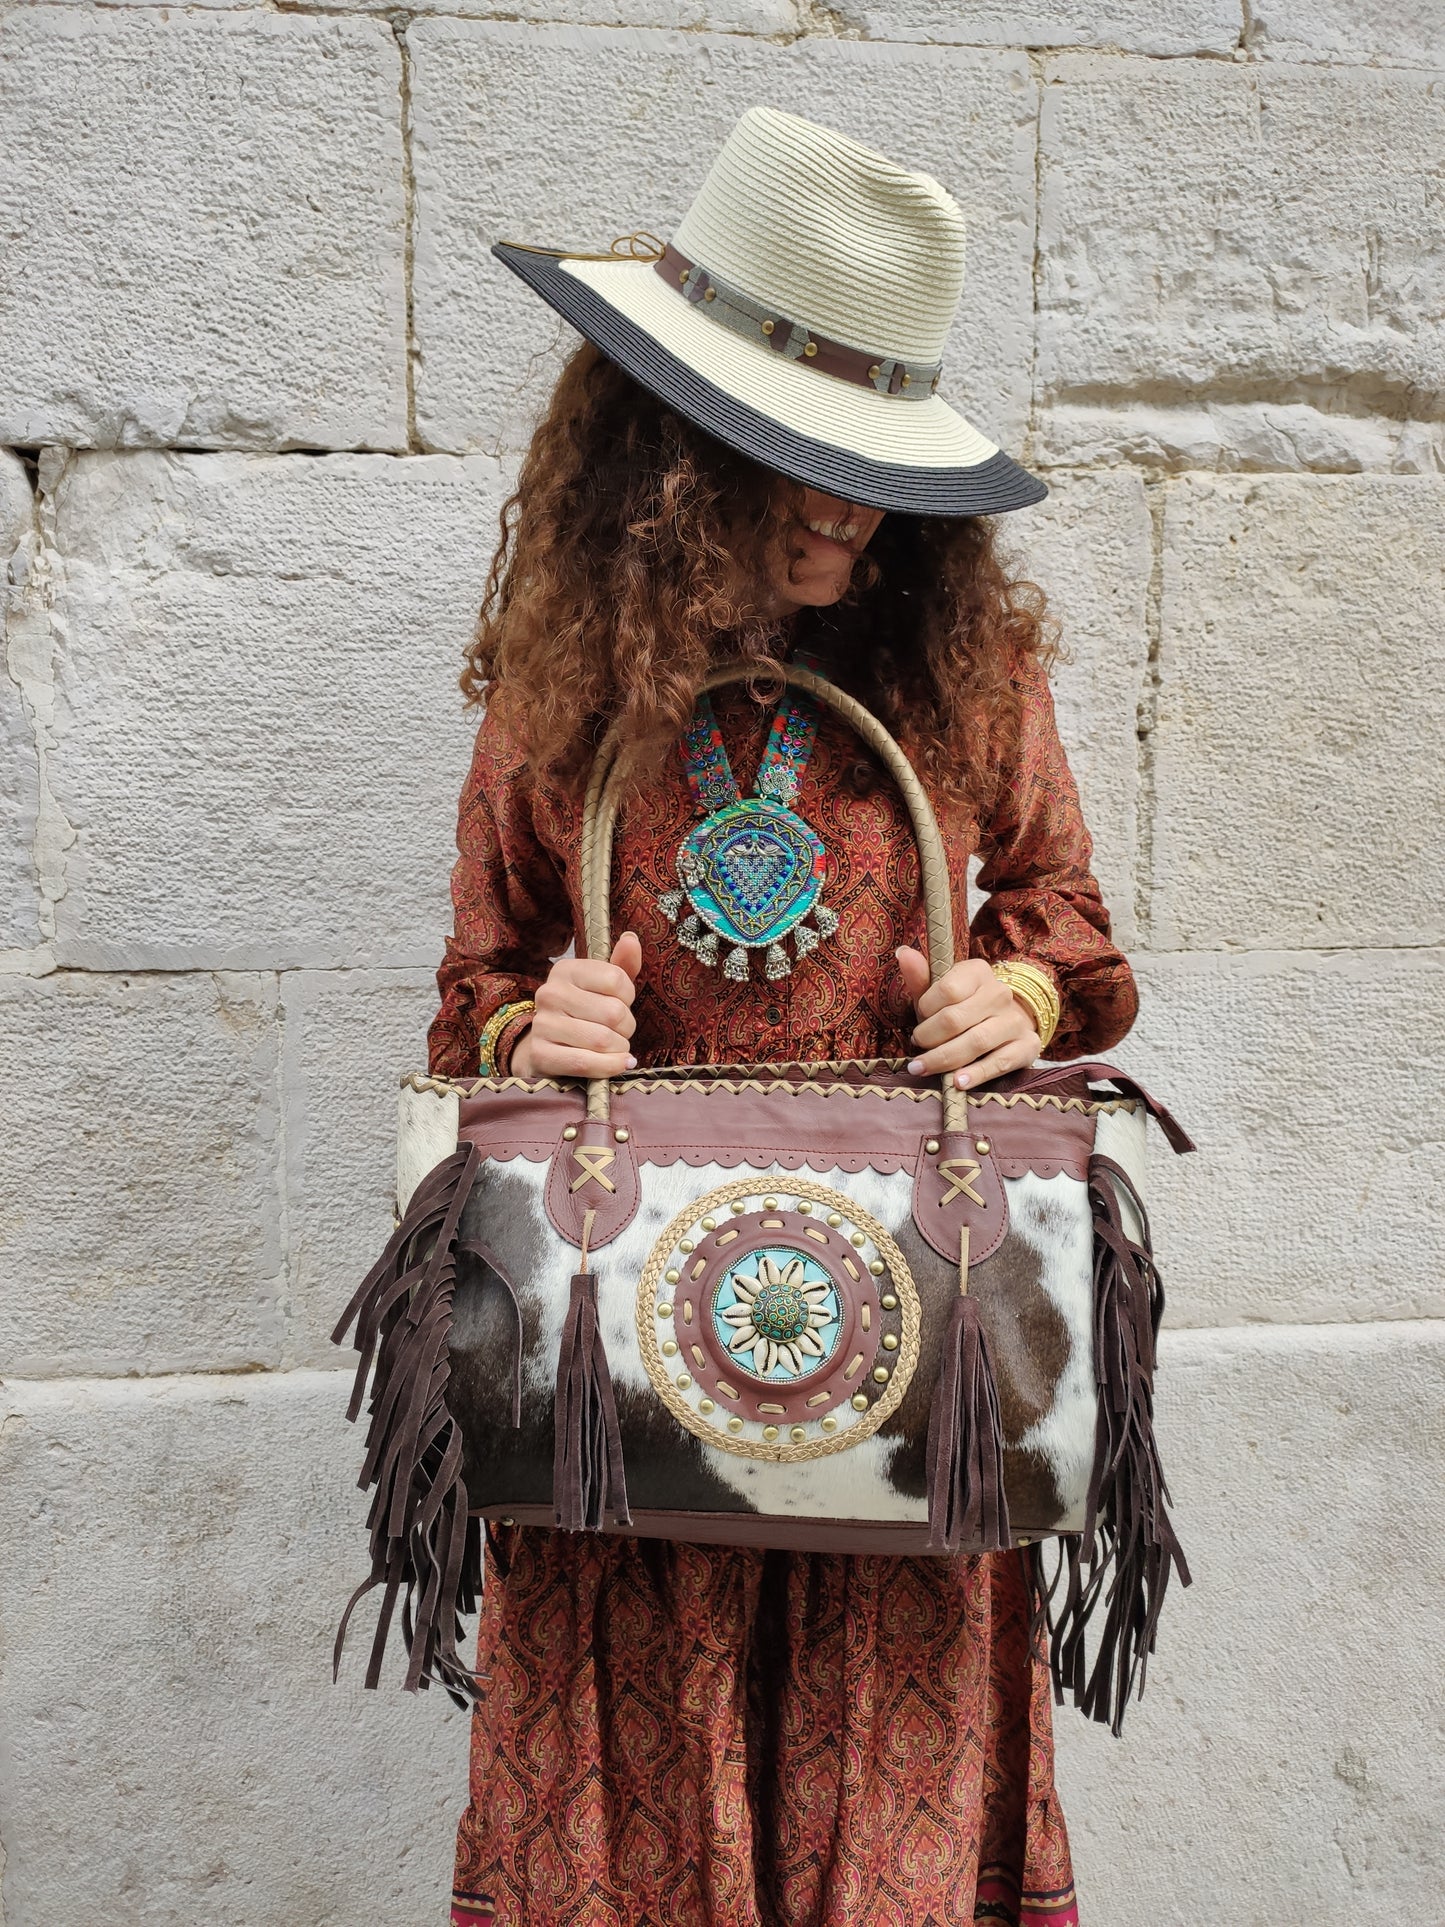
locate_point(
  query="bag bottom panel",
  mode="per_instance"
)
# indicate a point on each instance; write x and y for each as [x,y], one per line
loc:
[776,1532]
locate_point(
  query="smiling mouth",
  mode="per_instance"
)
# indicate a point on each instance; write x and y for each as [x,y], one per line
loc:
[842,534]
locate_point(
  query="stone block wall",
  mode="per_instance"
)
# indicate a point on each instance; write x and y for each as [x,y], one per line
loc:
[261,389]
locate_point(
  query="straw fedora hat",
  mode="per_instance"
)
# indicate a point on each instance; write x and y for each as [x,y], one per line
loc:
[799,314]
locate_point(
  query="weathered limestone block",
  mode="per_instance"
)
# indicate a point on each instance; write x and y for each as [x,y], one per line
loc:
[142,1225]
[1398,33]
[497,112]
[1284,1763]
[349,1037]
[1312,1085]
[262,742]
[720,16]
[16,503]
[715,16]
[1218,234]
[19,764]
[1301,714]
[204,222]
[1088,547]
[1243,436]
[177,1557]
[1169,27]
[694,16]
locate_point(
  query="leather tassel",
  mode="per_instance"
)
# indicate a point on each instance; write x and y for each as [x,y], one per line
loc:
[426,1549]
[587,1475]
[967,1506]
[1123,1559]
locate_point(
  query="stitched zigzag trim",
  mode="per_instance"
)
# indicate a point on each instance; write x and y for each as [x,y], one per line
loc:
[471,1087]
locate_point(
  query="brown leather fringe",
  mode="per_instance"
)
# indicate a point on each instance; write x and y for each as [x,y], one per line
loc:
[425,1548]
[967,1508]
[1123,1557]
[587,1476]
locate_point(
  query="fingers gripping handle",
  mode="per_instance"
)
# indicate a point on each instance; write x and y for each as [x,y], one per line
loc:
[599,820]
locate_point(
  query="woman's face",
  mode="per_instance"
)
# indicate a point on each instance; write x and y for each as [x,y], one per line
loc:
[813,564]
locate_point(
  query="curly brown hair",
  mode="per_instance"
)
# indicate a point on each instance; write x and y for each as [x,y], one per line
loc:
[622,578]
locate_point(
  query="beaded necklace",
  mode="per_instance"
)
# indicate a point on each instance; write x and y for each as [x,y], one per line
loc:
[751,870]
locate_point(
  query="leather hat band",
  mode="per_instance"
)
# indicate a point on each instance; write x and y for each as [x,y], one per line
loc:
[908,380]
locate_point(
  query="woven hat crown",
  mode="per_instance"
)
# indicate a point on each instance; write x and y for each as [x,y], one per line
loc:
[831,234]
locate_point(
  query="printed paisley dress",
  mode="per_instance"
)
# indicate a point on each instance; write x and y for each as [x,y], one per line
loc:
[698,1736]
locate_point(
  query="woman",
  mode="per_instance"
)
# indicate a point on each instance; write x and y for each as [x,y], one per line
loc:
[708,1736]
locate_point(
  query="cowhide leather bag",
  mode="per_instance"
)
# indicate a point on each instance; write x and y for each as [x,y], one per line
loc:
[811,1306]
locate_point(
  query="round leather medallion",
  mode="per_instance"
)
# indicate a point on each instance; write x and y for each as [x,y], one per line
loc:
[777,1319]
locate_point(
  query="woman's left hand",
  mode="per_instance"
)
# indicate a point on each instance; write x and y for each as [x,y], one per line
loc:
[971,1022]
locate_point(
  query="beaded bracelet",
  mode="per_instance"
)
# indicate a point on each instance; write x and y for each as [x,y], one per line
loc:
[492,1031]
[1035,991]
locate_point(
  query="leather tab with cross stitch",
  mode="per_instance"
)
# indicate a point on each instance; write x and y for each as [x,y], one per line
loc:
[961,1174]
[957,1187]
[594,1160]
[592,1169]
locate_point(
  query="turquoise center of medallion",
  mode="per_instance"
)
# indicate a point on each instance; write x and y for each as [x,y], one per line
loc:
[752,870]
[778,1313]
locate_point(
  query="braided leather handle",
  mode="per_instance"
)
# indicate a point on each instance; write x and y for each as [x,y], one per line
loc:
[599,821]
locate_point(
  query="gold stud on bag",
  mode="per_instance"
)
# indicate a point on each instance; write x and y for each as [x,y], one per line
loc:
[812,1306]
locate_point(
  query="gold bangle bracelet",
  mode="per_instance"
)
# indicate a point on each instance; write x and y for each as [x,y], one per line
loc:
[1035,991]
[1037,998]
[492,1030]
[1035,1012]
[1045,1014]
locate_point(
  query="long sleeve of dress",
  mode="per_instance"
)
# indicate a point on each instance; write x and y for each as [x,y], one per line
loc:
[510,907]
[1044,905]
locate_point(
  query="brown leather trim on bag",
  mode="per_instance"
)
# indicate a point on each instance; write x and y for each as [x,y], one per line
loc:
[1056,1077]
[765,1530]
[821,1125]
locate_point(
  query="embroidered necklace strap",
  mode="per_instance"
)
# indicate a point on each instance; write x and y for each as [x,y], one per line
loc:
[790,743]
[709,773]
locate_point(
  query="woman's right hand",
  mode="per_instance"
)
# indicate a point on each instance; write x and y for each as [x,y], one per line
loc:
[584,1021]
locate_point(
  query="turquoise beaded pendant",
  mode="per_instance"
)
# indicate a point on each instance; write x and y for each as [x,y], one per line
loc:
[752,870]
